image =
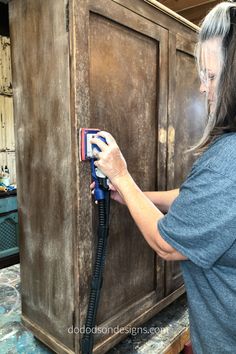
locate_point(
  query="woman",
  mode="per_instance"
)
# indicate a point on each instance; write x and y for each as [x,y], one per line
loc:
[200,226]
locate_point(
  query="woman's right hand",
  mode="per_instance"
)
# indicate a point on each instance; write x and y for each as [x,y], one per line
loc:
[114,194]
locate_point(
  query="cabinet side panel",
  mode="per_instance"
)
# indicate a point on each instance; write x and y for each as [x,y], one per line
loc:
[186,124]
[43,147]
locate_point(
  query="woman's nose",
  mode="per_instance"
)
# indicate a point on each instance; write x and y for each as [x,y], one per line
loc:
[202,88]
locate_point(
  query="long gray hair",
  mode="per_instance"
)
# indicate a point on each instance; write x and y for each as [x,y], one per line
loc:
[220,23]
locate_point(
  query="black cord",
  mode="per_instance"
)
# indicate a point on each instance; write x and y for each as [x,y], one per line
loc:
[97,278]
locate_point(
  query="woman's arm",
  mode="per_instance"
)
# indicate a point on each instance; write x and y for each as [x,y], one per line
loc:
[145,214]
[163,200]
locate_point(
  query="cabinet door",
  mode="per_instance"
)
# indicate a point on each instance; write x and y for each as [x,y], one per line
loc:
[186,121]
[126,86]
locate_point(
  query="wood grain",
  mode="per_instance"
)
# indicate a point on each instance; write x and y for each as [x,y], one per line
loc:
[199,12]
[180,5]
[43,144]
[178,343]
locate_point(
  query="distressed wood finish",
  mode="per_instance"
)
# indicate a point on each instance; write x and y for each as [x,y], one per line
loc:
[117,83]
[98,64]
[44,159]
[114,70]
[179,342]
[162,15]
[186,109]
[185,124]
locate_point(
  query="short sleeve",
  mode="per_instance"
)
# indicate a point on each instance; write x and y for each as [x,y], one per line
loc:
[201,222]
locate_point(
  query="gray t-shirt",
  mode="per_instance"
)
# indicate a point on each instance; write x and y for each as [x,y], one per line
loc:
[201,224]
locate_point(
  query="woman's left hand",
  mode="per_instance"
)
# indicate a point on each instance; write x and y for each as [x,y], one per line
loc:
[110,160]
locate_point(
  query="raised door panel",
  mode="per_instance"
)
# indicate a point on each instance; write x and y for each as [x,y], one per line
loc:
[126,82]
[186,123]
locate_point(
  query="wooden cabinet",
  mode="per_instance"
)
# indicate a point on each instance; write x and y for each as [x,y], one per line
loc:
[115,65]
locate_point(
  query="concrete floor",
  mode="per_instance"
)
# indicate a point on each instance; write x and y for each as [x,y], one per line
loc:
[153,337]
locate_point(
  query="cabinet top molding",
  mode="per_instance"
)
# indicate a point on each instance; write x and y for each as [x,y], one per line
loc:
[173,14]
[162,8]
